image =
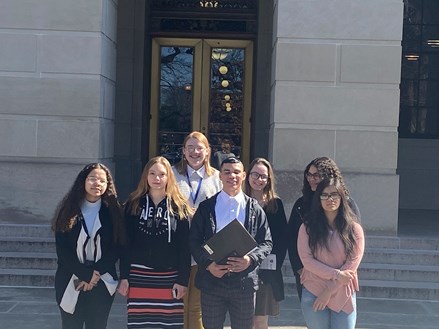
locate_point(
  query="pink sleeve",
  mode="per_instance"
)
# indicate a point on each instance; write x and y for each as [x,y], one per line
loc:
[309,262]
[355,259]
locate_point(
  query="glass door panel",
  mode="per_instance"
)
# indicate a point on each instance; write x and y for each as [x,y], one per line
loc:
[229,103]
[202,85]
[174,89]
[226,98]
[176,99]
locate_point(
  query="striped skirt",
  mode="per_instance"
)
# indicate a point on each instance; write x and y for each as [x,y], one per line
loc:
[150,303]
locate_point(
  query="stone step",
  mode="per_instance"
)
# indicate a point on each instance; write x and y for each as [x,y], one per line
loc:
[399,289]
[372,241]
[385,256]
[397,272]
[27,230]
[392,242]
[392,267]
[27,277]
[29,260]
[368,288]
[27,244]
[47,261]
[403,256]
[385,289]
[375,255]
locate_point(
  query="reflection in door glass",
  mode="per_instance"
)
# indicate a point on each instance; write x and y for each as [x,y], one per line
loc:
[175,111]
[226,98]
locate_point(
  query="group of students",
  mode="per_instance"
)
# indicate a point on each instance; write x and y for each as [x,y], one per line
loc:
[158,236]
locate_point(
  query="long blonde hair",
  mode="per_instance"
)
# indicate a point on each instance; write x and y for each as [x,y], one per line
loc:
[173,194]
[181,166]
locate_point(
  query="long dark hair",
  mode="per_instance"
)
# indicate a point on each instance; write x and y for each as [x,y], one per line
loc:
[327,168]
[66,213]
[317,224]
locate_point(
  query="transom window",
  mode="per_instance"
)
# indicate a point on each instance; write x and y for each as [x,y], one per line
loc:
[419,105]
[195,18]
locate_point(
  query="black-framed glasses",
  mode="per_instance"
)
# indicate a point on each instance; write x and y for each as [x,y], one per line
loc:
[333,196]
[256,175]
[315,176]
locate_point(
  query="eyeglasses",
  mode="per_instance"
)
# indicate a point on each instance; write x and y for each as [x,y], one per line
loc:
[256,175]
[193,148]
[94,180]
[333,196]
[316,176]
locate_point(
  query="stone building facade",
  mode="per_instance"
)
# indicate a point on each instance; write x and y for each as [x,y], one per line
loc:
[74,89]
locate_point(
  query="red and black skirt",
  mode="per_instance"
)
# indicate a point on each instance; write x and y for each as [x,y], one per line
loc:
[150,302]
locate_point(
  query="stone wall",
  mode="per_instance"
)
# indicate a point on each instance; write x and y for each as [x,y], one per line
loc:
[57,96]
[335,92]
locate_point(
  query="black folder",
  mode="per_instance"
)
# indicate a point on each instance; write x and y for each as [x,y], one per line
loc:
[232,240]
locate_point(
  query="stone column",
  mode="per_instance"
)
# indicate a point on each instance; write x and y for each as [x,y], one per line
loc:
[132,94]
[335,93]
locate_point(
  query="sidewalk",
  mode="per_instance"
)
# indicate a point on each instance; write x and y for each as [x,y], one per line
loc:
[35,308]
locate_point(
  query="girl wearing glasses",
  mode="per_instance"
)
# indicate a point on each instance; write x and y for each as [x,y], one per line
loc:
[260,184]
[315,171]
[197,181]
[331,246]
[89,233]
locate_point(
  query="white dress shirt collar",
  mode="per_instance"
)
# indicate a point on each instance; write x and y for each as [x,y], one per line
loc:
[200,172]
[224,197]
[228,208]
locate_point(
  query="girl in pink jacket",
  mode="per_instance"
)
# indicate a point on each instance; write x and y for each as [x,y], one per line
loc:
[330,246]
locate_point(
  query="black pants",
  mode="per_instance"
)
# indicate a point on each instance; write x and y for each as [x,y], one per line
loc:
[92,309]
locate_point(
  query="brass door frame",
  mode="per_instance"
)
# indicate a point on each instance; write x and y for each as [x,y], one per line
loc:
[201,85]
[155,84]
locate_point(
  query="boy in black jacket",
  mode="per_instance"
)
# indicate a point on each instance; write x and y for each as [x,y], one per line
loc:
[229,287]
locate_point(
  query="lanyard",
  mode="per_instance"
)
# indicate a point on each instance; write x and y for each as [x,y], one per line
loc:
[194,197]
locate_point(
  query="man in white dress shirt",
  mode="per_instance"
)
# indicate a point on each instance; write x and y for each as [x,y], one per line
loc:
[230,287]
